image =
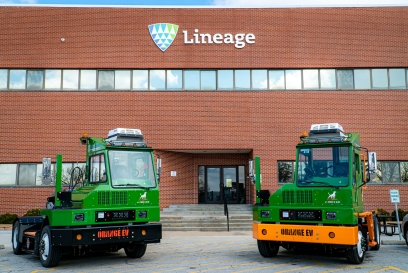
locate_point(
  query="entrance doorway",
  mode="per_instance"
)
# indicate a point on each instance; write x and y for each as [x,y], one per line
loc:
[219,183]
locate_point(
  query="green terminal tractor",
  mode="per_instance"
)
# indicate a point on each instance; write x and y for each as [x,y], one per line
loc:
[323,209]
[115,207]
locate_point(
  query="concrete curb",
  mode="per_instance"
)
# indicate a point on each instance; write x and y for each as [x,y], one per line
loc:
[393,242]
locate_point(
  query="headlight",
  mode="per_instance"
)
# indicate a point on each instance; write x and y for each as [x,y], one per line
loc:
[142,214]
[330,215]
[265,213]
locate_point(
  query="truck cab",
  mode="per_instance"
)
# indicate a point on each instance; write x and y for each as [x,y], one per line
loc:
[116,207]
[323,208]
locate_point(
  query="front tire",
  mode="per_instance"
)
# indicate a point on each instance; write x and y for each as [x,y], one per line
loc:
[268,249]
[49,255]
[135,250]
[376,234]
[355,255]
[17,250]
[406,234]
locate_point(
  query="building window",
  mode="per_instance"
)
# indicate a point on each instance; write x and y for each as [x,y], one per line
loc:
[277,79]
[3,79]
[8,174]
[140,79]
[87,80]
[345,79]
[106,80]
[122,79]
[362,79]
[259,79]
[97,169]
[293,79]
[191,80]
[242,79]
[52,79]
[311,79]
[327,79]
[380,78]
[157,79]
[397,78]
[35,79]
[391,172]
[174,79]
[70,79]
[208,81]
[27,174]
[17,79]
[31,174]
[285,171]
[225,79]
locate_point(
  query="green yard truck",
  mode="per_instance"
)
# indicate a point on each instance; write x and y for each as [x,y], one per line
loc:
[323,209]
[115,207]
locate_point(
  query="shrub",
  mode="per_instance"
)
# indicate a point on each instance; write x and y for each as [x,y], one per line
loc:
[32,212]
[384,212]
[401,214]
[7,218]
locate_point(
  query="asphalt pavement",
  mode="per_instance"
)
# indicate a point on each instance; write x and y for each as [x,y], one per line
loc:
[180,236]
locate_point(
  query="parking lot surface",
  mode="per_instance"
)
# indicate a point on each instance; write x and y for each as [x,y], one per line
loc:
[209,252]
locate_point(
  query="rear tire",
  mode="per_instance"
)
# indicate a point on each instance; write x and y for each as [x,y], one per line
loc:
[14,239]
[376,234]
[406,234]
[355,255]
[49,255]
[268,249]
[135,250]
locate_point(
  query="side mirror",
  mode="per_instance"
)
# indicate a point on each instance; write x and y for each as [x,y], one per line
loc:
[46,171]
[251,168]
[372,161]
[158,166]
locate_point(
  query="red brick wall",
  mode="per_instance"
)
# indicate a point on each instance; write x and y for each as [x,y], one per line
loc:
[39,124]
[285,37]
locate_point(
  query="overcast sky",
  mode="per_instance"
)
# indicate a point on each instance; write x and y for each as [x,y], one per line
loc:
[248,3]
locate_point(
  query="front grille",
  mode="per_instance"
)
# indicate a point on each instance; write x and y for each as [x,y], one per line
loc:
[299,197]
[288,197]
[304,197]
[103,198]
[119,198]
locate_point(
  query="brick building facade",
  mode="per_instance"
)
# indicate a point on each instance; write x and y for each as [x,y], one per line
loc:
[193,129]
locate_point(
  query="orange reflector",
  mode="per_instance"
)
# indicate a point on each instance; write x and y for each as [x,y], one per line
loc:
[264,232]
[84,134]
[332,235]
[144,232]
[329,140]
[79,237]
[123,144]
[303,134]
[108,144]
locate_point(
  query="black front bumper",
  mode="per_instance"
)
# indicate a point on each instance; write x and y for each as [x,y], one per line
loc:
[144,233]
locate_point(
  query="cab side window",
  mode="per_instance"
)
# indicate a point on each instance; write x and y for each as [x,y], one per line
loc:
[97,169]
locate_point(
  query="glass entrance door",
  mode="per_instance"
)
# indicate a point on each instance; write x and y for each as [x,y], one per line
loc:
[230,184]
[213,185]
[218,183]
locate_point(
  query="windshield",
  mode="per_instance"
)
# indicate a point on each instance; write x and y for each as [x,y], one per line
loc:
[324,166]
[131,169]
